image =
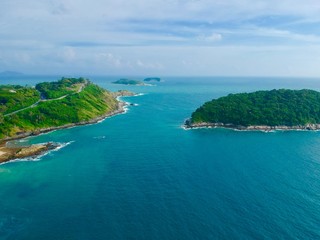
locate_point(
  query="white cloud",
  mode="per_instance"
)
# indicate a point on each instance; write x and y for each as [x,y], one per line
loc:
[158,35]
[271,32]
[117,61]
[110,60]
[149,65]
[214,37]
[67,54]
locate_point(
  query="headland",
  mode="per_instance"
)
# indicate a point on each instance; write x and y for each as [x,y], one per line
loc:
[30,111]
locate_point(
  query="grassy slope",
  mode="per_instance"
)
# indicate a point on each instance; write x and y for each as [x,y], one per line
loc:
[51,90]
[13,98]
[91,102]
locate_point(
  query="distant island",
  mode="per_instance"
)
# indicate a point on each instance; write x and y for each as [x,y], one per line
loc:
[156,79]
[262,110]
[26,111]
[129,82]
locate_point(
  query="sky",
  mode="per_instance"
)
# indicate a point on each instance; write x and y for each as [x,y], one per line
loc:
[161,37]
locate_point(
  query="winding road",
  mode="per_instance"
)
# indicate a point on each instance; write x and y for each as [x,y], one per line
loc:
[47,100]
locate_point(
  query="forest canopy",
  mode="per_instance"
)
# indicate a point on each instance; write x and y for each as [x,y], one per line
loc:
[272,108]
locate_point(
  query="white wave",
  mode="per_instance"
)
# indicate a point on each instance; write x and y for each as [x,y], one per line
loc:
[185,128]
[139,94]
[135,95]
[38,157]
[61,145]
[125,109]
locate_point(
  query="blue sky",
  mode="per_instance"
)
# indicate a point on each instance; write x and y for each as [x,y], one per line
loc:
[161,37]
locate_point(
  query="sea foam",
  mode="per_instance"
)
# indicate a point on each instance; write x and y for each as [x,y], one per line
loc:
[39,157]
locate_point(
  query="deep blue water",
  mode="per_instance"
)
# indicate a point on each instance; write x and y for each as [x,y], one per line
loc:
[139,175]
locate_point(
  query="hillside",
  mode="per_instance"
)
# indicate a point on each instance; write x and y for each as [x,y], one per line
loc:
[60,88]
[14,97]
[282,107]
[68,101]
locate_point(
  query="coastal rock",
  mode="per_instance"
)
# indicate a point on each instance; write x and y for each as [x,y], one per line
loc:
[265,128]
[124,93]
[35,150]
[11,153]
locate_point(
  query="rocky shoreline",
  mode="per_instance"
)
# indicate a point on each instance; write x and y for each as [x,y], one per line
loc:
[10,153]
[49,129]
[264,128]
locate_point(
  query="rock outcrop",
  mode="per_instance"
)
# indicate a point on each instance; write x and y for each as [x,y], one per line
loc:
[189,125]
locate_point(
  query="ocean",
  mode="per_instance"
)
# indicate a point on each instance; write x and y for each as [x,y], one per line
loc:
[140,175]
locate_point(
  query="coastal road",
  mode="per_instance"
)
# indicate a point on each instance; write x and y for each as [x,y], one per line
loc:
[46,100]
[20,110]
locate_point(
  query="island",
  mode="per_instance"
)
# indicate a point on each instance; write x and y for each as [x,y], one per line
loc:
[281,109]
[27,111]
[129,82]
[156,79]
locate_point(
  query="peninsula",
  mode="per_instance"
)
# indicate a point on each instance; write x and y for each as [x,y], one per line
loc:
[27,111]
[281,109]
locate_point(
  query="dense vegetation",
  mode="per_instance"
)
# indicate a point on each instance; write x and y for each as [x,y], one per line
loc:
[152,79]
[60,88]
[128,82]
[14,97]
[272,108]
[87,104]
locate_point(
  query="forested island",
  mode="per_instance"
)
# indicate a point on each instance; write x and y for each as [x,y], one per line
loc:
[281,109]
[129,82]
[26,111]
[149,79]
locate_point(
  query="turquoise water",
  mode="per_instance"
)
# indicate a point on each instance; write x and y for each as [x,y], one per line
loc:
[139,175]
